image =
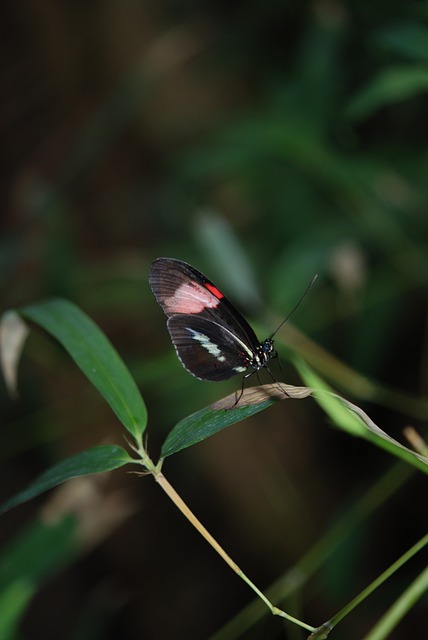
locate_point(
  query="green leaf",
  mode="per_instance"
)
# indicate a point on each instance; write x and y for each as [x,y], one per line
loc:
[390,86]
[39,551]
[13,603]
[410,40]
[390,619]
[96,460]
[32,555]
[353,419]
[212,419]
[95,356]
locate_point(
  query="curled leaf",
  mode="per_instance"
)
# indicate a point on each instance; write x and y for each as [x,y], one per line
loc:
[354,420]
[377,431]
[13,333]
[256,395]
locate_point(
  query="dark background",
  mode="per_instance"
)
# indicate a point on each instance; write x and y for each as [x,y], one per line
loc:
[263,142]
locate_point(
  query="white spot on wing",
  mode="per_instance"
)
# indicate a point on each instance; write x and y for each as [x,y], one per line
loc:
[205,342]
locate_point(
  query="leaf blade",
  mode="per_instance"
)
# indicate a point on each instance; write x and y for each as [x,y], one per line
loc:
[354,420]
[212,419]
[95,356]
[96,460]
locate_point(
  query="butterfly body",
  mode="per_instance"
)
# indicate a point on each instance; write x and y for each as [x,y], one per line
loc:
[212,339]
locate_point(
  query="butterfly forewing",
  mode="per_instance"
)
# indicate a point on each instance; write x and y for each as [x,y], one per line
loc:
[180,288]
[212,339]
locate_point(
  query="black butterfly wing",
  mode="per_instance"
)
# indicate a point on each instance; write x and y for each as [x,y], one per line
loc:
[207,350]
[179,288]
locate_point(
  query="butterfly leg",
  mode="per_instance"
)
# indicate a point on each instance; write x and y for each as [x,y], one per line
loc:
[238,397]
[276,381]
[247,375]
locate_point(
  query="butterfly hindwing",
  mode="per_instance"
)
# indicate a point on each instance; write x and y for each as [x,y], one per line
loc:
[209,351]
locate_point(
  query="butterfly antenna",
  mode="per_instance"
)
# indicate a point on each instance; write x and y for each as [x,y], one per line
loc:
[308,288]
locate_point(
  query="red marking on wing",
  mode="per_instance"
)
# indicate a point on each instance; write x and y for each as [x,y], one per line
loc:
[216,292]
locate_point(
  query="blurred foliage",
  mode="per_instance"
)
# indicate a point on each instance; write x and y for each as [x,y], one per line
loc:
[262,142]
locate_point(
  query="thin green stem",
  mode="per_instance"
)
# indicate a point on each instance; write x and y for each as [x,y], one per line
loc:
[181,505]
[389,621]
[379,581]
[298,575]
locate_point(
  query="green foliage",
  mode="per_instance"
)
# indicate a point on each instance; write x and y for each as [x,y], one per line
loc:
[90,349]
[226,412]
[392,85]
[40,550]
[97,460]
[95,356]
[262,142]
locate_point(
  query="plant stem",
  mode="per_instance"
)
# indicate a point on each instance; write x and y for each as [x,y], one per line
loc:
[177,500]
[407,600]
[376,583]
[298,575]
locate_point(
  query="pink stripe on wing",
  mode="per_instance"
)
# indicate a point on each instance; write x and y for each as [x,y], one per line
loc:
[190,297]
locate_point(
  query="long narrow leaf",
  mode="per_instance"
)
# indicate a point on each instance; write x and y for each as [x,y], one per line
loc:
[13,602]
[96,460]
[389,621]
[353,419]
[212,419]
[95,356]
[41,550]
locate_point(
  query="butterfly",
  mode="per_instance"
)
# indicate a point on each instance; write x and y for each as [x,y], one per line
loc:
[212,339]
